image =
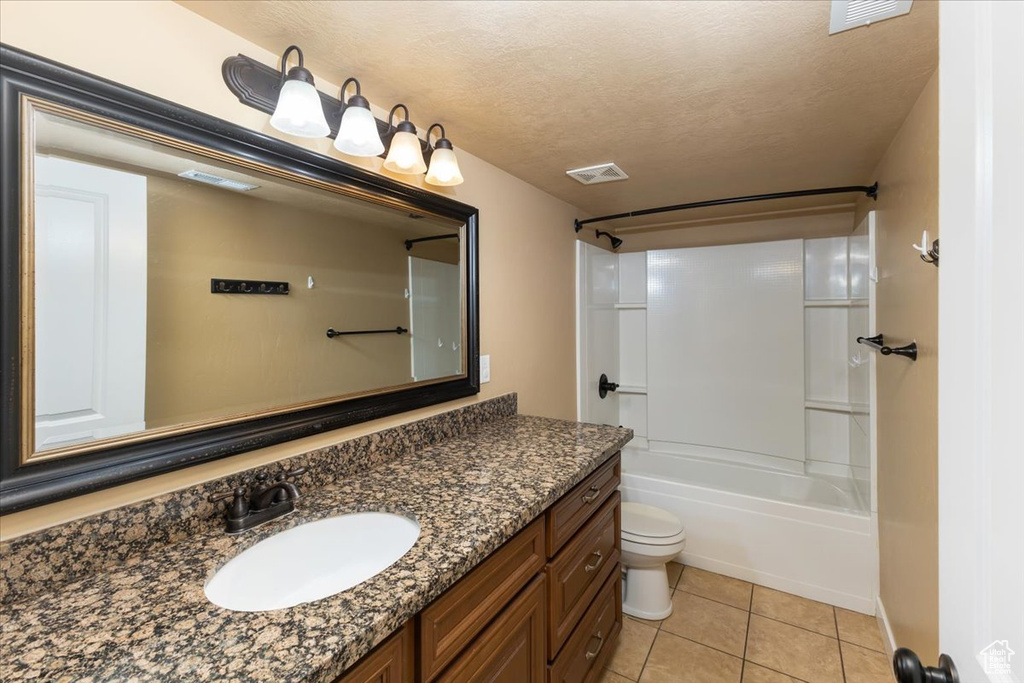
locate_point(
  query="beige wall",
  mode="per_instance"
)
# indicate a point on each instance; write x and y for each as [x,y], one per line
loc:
[210,355]
[526,237]
[908,179]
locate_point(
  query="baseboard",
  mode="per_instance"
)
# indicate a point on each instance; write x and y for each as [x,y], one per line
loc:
[781,583]
[885,627]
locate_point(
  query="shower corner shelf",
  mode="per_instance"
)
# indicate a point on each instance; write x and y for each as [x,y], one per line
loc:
[835,303]
[836,406]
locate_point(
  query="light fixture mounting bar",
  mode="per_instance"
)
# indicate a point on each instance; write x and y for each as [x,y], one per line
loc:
[257,85]
[868,190]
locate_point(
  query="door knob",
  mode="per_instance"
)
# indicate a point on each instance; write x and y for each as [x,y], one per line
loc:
[908,669]
[604,386]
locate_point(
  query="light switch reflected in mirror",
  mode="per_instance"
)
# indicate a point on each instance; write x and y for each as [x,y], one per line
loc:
[138,328]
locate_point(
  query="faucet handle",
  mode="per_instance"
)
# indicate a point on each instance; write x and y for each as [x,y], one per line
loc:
[239,506]
[224,495]
[294,472]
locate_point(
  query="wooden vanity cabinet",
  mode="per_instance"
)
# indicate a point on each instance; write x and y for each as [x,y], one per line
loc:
[579,571]
[393,661]
[510,649]
[545,607]
[574,509]
[450,623]
[585,576]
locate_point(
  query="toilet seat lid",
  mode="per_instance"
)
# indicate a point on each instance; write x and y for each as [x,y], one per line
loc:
[647,521]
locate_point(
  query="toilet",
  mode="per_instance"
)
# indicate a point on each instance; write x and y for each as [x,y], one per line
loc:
[650,538]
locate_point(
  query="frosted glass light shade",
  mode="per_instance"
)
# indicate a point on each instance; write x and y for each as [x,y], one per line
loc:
[299,111]
[357,135]
[444,168]
[405,155]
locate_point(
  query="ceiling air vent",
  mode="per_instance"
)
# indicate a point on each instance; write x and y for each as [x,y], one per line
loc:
[602,173]
[847,14]
[217,181]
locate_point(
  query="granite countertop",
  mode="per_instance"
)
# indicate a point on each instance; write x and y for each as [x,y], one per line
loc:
[149,620]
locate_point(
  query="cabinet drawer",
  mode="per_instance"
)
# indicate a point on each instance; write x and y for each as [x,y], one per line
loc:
[572,511]
[580,569]
[389,662]
[454,619]
[511,649]
[590,645]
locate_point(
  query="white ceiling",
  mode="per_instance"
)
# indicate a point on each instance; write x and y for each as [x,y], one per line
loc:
[694,100]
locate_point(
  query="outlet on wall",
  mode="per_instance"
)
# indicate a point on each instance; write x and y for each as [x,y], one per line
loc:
[485,369]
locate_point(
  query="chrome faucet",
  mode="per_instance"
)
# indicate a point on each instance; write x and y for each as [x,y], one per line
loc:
[267,502]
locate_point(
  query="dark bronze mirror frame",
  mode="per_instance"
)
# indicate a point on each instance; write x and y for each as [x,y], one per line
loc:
[24,486]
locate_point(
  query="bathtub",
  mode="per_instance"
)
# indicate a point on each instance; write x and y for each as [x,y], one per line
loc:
[800,534]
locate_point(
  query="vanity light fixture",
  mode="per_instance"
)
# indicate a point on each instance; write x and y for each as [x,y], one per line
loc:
[444,167]
[405,154]
[357,134]
[298,111]
[297,108]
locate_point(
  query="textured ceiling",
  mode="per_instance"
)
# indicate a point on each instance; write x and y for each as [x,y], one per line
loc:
[694,100]
[61,137]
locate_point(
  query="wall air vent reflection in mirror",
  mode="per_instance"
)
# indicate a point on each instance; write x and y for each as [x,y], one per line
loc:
[210,179]
[602,173]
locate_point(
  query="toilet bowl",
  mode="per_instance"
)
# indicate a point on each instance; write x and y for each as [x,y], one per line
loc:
[650,538]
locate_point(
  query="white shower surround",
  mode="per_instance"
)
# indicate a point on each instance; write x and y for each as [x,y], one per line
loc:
[725,345]
[777,519]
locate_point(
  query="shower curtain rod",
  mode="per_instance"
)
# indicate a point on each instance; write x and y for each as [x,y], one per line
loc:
[869,190]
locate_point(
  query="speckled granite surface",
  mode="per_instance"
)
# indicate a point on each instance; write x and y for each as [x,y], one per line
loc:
[46,560]
[149,619]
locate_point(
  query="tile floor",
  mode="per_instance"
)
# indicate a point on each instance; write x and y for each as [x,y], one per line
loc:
[723,630]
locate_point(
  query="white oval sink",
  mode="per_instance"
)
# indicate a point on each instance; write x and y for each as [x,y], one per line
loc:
[312,561]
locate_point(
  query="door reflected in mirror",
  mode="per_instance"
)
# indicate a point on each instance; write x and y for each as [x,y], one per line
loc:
[172,290]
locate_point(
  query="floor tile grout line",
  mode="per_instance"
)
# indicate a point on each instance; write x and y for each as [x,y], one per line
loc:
[842,664]
[802,628]
[702,645]
[746,636]
[783,673]
[647,658]
[864,647]
[683,590]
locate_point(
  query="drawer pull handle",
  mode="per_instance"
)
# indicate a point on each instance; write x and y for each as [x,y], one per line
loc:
[591,497]
[597,563]
[600,643]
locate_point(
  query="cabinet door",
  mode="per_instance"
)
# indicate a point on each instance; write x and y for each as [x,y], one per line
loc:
[456,618]
[389,662]
[511,650]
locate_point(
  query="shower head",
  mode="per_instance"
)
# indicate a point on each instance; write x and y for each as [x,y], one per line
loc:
[616,242]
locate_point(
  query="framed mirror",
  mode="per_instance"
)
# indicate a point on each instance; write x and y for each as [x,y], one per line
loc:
[178,289]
